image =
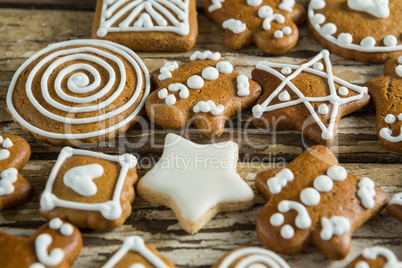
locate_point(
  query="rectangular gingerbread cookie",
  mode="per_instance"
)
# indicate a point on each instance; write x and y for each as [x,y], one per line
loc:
[147,25]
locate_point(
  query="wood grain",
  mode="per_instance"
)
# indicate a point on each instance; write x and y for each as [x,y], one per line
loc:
[23,32]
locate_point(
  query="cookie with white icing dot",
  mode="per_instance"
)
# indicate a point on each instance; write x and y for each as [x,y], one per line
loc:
[394,206]
[269,24]
[314,200]
[14,154]
[203,92]
[134,253]
[90,189]
[308,97]
[163,25]
[56,244]
[349,28]
[376,257]
[386,94]
[201,184]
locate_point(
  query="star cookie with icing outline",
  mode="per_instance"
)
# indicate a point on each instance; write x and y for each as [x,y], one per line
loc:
[204,92]
[196,181]
[315,201]
[14,154]
[307,97]
[56,244]
[376,257]
[270,24]
[90,189]
[394,206]
[387,98]
[134,253]
[363,30]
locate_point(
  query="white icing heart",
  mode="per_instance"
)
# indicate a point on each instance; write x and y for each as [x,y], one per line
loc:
[377,8]
[80,179]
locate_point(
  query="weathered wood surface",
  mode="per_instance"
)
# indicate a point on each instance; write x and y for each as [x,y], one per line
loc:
[23,32]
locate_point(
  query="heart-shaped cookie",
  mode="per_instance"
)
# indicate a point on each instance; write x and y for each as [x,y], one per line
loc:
[55,244]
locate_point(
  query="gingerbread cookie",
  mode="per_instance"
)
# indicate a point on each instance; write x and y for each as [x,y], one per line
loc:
[313,200]
[200,185]
[147,25]
[55,244]
[248,257]
[270,24]
[134,253]
[376,257]
[90,189]
[394,206]
[350,28]
[78,91]
[306,97]
[14,154]
[386,95]
[204,92]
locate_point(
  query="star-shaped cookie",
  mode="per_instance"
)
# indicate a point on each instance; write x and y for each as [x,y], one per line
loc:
[313,200]
[56,244]
[306,97]
[270,24]
[196,181]
[376,257]
[204,92]
[14,154]
[386,93]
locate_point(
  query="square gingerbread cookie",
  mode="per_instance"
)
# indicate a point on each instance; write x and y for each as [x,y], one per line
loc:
[148,25]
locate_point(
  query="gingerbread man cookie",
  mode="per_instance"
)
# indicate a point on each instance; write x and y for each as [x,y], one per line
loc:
[134,253]
[363,30]
[162,25]
[251,257]
[90,189]
[313,200]
[204,92]
[55,244]
[14,154]
[306,97]
[386,95]
[376,257]
[394,206]
[78,91]
[270,24]
[202,183]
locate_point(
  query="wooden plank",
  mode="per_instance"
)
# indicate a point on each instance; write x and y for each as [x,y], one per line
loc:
[49,4]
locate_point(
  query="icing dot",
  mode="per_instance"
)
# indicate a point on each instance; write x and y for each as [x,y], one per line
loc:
[390,119]
[310,197]
[277,219]
[337,173]
[55,223]
[326,135]
[7,143]
[400,59]
[319,19]
[278,34]
[329,28]
[286,70]
[345,38]
[102,31]
[67,229]
[224,67]
[400,117]
[284,96]
[323,183]
[287,30]
[265,11]
[323,109]
[368,42]
[210,73]
[195,82]
[137,265]
[390,41]
[254,3]
[258,110]
[170,100]
[37,265]
[317,4]
[163,93]
[362,264]
[398,70]
[318,66]
[1,139]
[343,91]
[287,231]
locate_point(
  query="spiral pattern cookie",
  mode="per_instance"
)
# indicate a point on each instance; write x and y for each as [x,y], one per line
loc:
[78,91]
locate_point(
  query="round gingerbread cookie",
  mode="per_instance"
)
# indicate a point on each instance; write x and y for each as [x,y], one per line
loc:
[78,91]
[363,30]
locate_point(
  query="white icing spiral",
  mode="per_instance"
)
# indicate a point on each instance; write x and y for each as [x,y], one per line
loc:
[77,67]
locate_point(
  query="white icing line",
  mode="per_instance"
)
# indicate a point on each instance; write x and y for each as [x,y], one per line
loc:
[243,86]
[276,183]
[373,252]
[303,220]
[111,209]
[287,5]
[236,26]
[366,192]
[167,69]
[208,106]
[54,257]
[377,8]
[206,55]
[396,199]
[336,225]
[7,178]
[267,14]
[216,4]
